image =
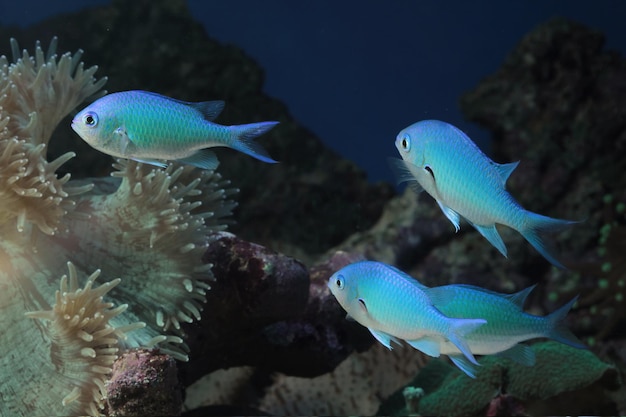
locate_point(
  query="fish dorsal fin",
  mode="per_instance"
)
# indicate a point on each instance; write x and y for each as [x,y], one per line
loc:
[453,216]
[403,171]
[519,353]
[426,345]
[519,298]
[441,296]
[384,338]
[407,277]
[209,109]
[505,170]
[464,365]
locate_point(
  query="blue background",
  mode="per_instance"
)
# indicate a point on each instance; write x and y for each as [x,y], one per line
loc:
[357,72]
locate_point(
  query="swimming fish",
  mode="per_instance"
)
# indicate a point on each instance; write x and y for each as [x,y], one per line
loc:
[441,159]
[148,127]
[393,307]
[507,323]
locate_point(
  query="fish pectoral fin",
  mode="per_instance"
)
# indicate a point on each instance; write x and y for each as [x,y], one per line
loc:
[384,338]
[403,171]
[154,162]
[519,353]
[127,147]
[464,365]
[491,234]
[452,215]
[426,345]
[204,158]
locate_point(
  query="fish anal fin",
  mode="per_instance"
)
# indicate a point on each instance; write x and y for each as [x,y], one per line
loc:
[491,234]
[453,216]
[426,345]
[204,158]
[154,162]
[384,338]
[464,365]
[520,353]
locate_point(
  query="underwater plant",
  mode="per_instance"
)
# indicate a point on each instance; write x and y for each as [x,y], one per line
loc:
[143,231]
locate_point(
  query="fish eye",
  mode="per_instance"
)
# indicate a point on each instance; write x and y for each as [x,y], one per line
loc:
[406,143]
[339,281]
[90,119]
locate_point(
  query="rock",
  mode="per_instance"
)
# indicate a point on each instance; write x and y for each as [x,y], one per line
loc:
[144,383]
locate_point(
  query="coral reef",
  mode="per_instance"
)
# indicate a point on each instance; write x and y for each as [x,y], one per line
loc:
[150,231]
[504,385]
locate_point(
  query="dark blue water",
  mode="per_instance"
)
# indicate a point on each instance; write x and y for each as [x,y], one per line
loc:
[357,72]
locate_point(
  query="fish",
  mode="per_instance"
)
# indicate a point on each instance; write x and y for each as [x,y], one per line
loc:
[150,128]
[394,307]
[507,323]
[466,183]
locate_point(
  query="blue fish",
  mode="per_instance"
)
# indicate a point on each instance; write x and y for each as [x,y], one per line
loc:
[148,127]
[507,323]
[441,159]
[394,307]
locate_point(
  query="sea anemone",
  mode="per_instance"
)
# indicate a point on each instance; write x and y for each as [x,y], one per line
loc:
[145,225]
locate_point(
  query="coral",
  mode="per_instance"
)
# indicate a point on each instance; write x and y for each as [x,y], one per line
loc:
[146,227]
[502,384]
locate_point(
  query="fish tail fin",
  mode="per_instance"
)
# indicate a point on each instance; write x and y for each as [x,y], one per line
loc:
[244,140]
[558,330]
[459,328]
[535,225]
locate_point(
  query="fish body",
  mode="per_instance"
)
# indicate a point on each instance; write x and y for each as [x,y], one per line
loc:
[394,307]
[507,323]
[149,127]
[441,159]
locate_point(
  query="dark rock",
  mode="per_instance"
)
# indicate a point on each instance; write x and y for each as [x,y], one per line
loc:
[254,287]
[558,104]
[144,383]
